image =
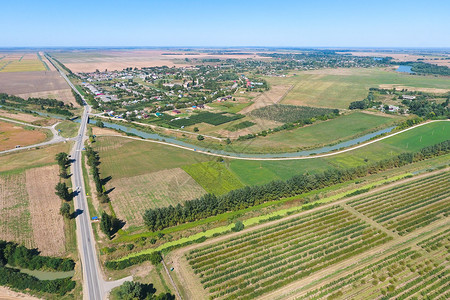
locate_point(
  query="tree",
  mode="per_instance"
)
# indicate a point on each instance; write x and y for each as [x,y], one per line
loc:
[228,141]
[200,137]
[63,191]
[65,210]
[106,224]
[196,129]
[155,258]
[100,124]
[63,159]
[132,290]
[238,226]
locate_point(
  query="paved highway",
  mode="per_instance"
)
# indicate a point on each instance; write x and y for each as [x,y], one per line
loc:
[94,286]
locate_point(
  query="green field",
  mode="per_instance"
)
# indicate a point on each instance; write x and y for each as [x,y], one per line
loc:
[323,133]
[214,177]
[337,88]
[254,172]
[230,107]
[68,128]
[125,158]
[17,161]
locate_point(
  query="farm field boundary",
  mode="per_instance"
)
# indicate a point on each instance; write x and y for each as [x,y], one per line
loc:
[283,158]
[291,212]
[220,282]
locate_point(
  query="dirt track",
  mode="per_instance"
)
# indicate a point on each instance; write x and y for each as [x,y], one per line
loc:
[194,290]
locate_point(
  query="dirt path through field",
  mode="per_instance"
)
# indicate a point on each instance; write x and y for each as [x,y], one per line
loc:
[191,285]
[369,220]
[292,291]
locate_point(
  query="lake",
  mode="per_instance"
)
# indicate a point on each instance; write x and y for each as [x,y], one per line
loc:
[405,69]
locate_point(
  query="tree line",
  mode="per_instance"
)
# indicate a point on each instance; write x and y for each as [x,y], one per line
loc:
[426,68]
[211,205]
[78,98]
[93,160]
[49,105]
[20,256]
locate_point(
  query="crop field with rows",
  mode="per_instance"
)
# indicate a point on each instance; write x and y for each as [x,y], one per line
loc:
[249,265]
[290,113]
[405,208]
[205,117]
[406,274]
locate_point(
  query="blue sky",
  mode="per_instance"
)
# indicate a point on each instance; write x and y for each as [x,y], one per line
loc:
[313,23]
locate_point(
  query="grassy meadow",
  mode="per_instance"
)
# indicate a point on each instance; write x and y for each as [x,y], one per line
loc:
[254,172]
[145,174]
[336,88]
[214,177]
[68,129]
[322,133]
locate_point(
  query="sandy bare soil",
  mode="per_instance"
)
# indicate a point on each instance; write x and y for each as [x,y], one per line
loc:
[104,131]
[409,88]
[12,135]
[20,116]
[273,96]
[44,82]
[48,224]
[7,294]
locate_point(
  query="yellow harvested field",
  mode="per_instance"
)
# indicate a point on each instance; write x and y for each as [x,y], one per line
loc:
[25,65]
[62,94]
[89,61]
[47,223]
[36,84]
[133,195]
[15,223]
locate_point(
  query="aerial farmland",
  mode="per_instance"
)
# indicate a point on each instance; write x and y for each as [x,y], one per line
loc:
[173,150]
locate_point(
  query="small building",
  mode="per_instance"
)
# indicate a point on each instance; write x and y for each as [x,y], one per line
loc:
[408,97]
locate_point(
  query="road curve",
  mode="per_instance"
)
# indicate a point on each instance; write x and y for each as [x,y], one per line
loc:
[279,158]
[55,139]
